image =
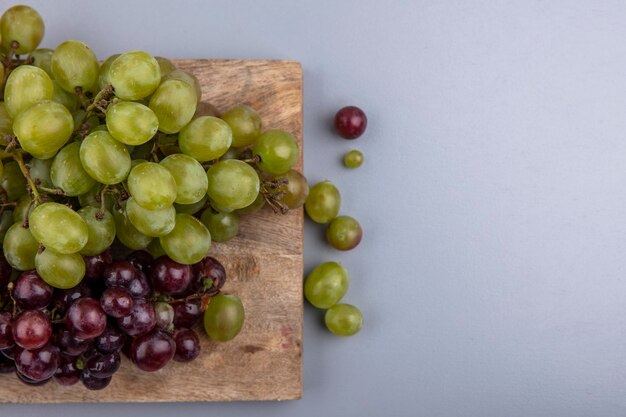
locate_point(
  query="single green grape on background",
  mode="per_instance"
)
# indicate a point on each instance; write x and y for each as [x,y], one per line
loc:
[343,319]
[353,159]
[323,202]
[326,284]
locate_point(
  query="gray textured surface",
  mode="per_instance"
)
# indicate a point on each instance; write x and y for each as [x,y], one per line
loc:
[492,272]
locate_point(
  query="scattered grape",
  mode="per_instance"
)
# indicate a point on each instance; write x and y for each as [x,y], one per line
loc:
[224,317]
[326,284]
[343,319]
[323,202]
[353,159]
[350,122]
[344,233]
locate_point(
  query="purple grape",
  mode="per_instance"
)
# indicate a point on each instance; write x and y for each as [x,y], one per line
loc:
[350,122]
[6,330]
[170,277]
[32,329]
[187,313]
[139,286]
[67,373]
[85,318]
[103,365]
[5,272]
[6,365]
[63,299]
[29,381]
[187,345]
[95,265]
[141,260]
[141,320]
[209,275]
[152,351]
[116,302]
[118,274]
[37,364]
[112,340]
[69,344]
[93,383]
[30,292]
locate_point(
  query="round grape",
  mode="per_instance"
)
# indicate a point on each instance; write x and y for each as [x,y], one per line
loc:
[20,247]
[43,128]
[134,75]
[32,329]
[152,186]
[58,227]
[23,25]
[326,285]
[174,104]
[224,317]
[245,123]
[233,184]
[152,351]
[323,202]
[67,172]
[353,159]
[25,86]
[105,159]
[350,122]
[296,191]
[278,151]
[344,233]
[131,123]
[222,226]
[191,180]
[152,223]
[101,230]
[188,242]
[103,74]
[86,319]
[42,58]
[60,270]
[74,65]
[343,319]
[205,138]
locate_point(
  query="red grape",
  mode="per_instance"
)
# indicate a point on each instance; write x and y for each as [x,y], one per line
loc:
[116,302]
[187,345]
[141,320]
[32,329]
[30,292]
[170,277]
[350,122]
[85,318]
[152,351]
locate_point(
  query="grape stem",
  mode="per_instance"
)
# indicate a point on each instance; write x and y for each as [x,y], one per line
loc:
[101,100]
[100,213]
[25,217]
[55,191]
[17,156]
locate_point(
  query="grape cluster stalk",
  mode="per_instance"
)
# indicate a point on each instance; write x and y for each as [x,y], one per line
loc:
[115,180]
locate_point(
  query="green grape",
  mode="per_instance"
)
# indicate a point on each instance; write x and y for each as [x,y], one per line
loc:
[6,221]
[188,78]
[6,121]
[153,223]
[231,153]
[353,159]
[165,65]
[296,191]
[142,151]
[191,180]
[26,86]
[205,138]
[131,123]
[67,172]
[92,198]
[127,233]
[152,186]
[219,208]
[60,270]
[255,206]
[174,103]
[233,184]
[344,233]
[13,181]
[58,227]
[1,169]
[326,284]
[191,208]
[43,128]
[105,159]
[103,74]
[278,151]
[343,319]
[24,205]
[245,123]
[42,58]
[101,230]
[224,317]
[40,171]
[69,100]
[155,249]
[323,202]
[135,75]
[20,247]
[23,25]
[74,65]
[222,226]
[188,242]
[2,74]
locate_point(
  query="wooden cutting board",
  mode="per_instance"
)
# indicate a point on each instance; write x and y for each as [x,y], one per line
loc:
[264,266]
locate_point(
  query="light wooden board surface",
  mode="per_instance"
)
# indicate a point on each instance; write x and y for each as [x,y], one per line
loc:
[264,266]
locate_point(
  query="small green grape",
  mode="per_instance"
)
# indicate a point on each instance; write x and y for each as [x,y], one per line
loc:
[174,103]
[153,223]
[165,65]
[6,122]
[134,75]
[353,159]
[296,191]
[188,242]
[205,138]
[245,123]
[278,151]
[67,172]
[191,208]
[40,171]
[74,65]
[323,202]
[222,226]
[58,227]
[69,100]
[344,233]
[25,86]
[43,128]
[60,270]
[343,319]
[233,184]
[24,25]
[24,204]
[191,180]
[326,284]
[224,317]
[127,233]
[20,247]
[152,185]
[101,226]
[131,123]
[6,221]
[105,159]
[192,80]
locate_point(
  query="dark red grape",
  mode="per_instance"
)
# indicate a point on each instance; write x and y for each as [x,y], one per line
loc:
[63,299]
[32,329]
[116,302]
[30,292]
[67,373]
[69,344]
[29,381]
[187,345]
[93,383]
[141,320]
[170,277]
[6,365]
[152,351]
[5,272]
[141,260]
[209,275]
[139,286]
[118,274]
[6,330]
[37,364]
[350,122]
[187,313]
[103,365]
[112,340]
[85,318]
[95,265]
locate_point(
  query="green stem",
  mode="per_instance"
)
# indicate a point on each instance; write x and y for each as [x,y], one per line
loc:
[17,156]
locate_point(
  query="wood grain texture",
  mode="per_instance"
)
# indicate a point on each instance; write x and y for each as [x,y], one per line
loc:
[264,265]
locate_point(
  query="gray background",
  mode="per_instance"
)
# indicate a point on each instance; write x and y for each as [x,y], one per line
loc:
[492,272]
